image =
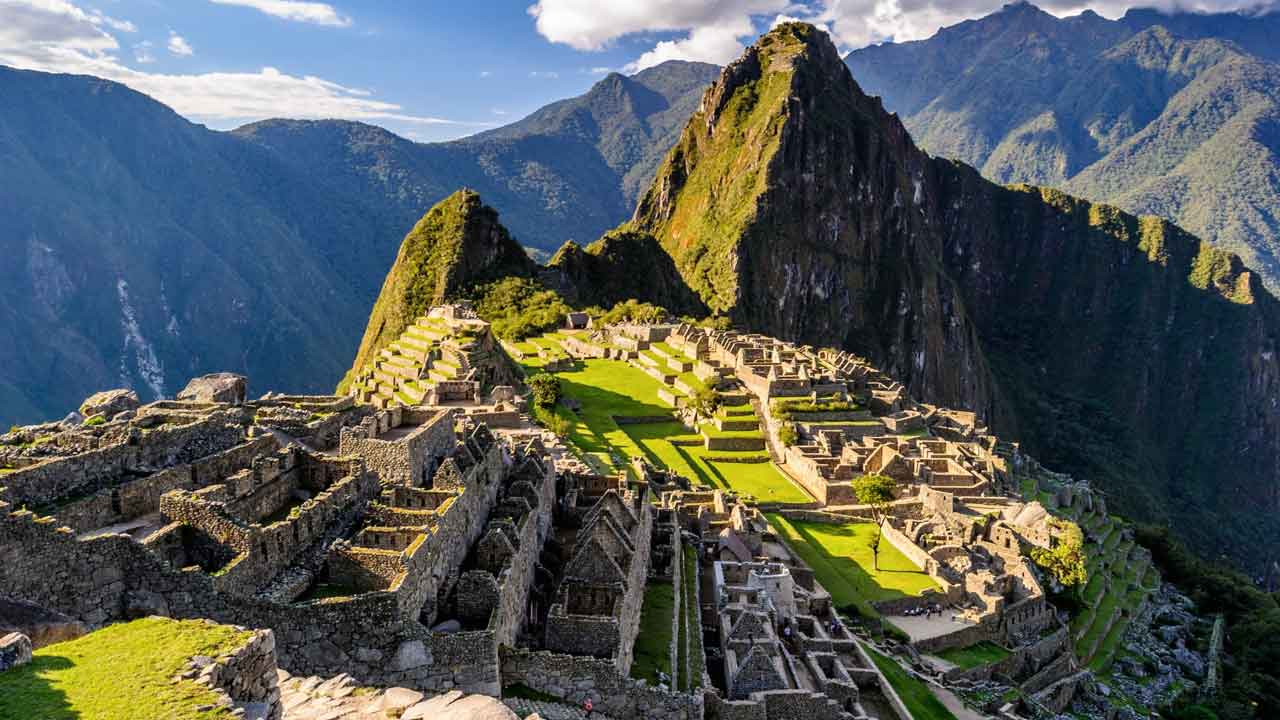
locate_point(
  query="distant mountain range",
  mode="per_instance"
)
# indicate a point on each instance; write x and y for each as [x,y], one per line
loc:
[142,249]
[1176,115]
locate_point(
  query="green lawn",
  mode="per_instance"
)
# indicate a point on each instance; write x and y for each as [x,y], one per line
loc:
[122,672]
[761,480]
[691,641]
[983,653]
[611,388]
[653,643]
[841,558]
[920,701]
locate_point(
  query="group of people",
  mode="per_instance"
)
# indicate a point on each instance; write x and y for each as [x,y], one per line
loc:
[928,611]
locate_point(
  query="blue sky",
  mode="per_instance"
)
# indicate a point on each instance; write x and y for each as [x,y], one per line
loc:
[430,70]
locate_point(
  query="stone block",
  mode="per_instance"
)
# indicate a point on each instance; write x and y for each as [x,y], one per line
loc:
[15,650]
[216,388]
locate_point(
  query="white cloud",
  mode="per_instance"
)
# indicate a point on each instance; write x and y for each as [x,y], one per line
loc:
[315,13]
[856,23]
[485,73]
[715,31]
[544,74]
[142,53]
[179,46]
[498,111]
[57,36]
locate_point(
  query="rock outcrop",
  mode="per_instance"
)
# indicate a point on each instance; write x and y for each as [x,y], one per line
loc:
[220,387]
[110,403]
[795,204]
[15,650]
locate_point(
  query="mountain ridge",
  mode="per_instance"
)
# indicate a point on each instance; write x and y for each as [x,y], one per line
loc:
[1071,326]
[248,238]
[1154,113]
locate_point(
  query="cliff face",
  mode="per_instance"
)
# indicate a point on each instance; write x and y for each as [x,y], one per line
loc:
[1119,348]
[456,246]
[621,265]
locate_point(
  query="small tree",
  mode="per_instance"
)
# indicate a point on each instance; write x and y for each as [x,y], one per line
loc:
[1065,559]
[546,389]
[875,491]
[705,400]
[787,434]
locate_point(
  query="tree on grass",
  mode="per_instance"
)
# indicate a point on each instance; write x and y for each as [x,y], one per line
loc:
[705,400]
[546,389]
[875,491]
[1065,559]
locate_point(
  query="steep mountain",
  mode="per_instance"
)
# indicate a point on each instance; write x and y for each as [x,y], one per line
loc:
[569,171]
[622,265]
[456,246]
[1169,114]
[1119,348]
[142,249]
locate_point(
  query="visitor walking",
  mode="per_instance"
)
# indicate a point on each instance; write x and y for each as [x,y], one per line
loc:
[587,708]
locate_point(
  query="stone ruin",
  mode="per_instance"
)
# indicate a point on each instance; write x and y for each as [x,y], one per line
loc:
[423,532]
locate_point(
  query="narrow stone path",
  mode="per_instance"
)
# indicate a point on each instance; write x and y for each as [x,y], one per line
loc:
[549,710]
[341,698]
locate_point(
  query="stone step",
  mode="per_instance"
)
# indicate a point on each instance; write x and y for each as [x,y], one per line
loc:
[412,353]
[410,340]
[407,372]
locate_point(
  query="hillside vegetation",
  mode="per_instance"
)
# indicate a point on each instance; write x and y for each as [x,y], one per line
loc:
[1174,115]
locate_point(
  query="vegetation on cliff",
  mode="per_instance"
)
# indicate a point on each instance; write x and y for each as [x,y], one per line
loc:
[1172,114]
[1250,686]
[706,192]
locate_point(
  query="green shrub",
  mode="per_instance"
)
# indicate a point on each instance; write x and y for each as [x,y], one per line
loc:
[634,311]
[1065,560]
[705,400]
[787,434]
[546,389]
[559,425]
[95,421]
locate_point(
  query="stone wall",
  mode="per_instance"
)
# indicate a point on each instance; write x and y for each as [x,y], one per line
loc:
[246,675]
[415,453]
[575,678]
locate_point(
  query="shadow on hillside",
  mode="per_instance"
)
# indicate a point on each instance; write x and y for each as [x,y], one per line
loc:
[26,693]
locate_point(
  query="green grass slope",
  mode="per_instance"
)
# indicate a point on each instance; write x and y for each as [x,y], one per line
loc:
[122,672]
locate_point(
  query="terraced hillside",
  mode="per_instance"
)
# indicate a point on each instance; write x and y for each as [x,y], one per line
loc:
[1121,579]
[430,351]
[620,404]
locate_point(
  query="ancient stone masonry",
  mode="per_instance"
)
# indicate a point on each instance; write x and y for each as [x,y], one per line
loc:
[447,356]
[422,532]
[597,608]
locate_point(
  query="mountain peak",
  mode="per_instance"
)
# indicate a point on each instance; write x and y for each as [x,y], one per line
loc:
[457,245]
